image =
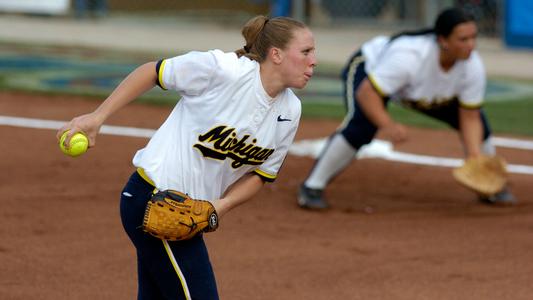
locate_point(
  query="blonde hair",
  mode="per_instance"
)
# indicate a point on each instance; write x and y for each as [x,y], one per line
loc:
[262,33]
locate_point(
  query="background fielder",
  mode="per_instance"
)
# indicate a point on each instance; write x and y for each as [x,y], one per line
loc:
[434,71]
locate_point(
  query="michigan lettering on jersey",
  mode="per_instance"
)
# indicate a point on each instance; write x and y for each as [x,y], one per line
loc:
[226,144]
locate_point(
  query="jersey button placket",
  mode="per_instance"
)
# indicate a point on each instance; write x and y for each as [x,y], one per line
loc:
[258,116]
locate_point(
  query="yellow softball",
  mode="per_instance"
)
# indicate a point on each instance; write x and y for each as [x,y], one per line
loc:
[77,146]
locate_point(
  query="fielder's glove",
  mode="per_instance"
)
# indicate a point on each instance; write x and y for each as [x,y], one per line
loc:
[485,175]
[174,216]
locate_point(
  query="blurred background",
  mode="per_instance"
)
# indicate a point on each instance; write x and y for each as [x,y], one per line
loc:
[86,47]
[490,14]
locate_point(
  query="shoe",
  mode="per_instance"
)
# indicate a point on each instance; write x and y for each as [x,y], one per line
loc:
[311,198]
[504,197]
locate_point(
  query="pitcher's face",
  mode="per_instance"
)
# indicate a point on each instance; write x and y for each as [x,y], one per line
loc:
[299,59]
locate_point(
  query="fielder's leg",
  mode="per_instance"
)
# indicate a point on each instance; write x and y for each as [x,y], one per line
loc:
[335,156]
[355,131]
[488,148]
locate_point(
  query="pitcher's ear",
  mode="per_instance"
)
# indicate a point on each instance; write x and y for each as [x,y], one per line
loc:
[276,55]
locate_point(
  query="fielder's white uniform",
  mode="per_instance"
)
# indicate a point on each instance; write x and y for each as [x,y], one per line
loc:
[408,69]
[405,69]
[224,126]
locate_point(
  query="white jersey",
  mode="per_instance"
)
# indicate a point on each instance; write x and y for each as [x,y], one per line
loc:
[224,126]
[408,69]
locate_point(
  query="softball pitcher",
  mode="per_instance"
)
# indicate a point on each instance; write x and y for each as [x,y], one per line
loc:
[228,134]
[436,72]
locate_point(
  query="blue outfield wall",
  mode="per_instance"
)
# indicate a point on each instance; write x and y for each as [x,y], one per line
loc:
[519,23]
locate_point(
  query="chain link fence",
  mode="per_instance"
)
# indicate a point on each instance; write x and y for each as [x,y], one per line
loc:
[404,13]
[400,14]
[390,14]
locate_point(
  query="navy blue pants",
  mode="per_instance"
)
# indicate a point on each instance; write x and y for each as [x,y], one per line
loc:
[166,270]
[359,131]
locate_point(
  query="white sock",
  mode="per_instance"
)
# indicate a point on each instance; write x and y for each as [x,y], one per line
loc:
[337,154]
[488,147]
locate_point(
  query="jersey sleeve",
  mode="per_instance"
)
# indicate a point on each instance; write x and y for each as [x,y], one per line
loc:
[472,88]
[394,70]
[268,171]
[188,74]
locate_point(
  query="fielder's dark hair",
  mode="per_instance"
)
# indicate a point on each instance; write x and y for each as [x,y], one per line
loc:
[446,21]
[262,33]
[449,19]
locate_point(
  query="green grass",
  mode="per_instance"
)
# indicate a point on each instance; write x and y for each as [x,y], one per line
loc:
[515,117]
[510,117]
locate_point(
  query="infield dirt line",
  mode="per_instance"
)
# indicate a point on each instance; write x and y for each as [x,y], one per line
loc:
[376,149]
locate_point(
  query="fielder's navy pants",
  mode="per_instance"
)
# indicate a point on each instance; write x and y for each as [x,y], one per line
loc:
[166,270]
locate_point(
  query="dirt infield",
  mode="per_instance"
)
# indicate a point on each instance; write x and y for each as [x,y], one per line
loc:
[397,231]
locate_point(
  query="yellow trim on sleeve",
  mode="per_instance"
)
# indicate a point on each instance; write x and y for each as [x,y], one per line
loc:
[264,174]
[470,106]
[376,86]
[160,75]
